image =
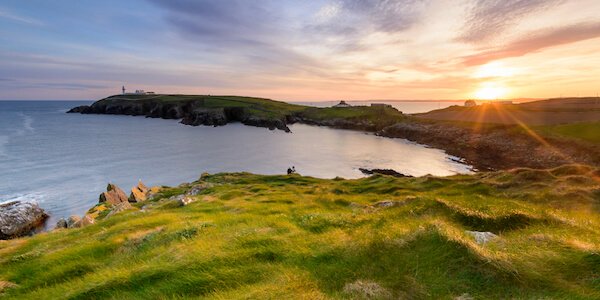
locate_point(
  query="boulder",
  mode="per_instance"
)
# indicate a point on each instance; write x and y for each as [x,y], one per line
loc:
[482,237]
[363,289]
[85,221]
[196,189]
[62,223]
[187,200]
[113,195]
[389,172]
[139,193]
[19,218]
[387,203]
[72,220]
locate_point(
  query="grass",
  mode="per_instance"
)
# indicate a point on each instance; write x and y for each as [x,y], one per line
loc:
[270,237]
[270,109]
[585,131]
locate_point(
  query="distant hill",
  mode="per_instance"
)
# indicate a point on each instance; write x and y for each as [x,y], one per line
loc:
[542,112]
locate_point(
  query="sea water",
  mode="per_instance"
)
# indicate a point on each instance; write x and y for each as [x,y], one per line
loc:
[64,161]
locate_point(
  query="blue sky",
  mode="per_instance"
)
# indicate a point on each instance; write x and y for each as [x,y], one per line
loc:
[300,50]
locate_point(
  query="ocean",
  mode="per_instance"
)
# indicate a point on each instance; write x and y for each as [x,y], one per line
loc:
[64,161]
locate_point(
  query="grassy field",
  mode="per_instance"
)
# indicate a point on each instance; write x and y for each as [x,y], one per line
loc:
[271,109]
[272,237]
[586,131]
[544,112]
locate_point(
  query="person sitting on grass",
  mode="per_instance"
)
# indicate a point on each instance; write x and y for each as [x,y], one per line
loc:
[291,170]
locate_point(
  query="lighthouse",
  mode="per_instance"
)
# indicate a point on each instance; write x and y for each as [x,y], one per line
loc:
[123,89]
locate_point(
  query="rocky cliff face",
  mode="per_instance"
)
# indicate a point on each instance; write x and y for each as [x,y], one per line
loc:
[490,149]
[190,112]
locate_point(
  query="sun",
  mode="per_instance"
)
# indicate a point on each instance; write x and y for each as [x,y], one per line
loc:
[490,92]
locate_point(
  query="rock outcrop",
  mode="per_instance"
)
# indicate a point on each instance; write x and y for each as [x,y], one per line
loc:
[198,188]
[139,193]
[72,220]
[193,112]
[382,172]
[113,195]
[18,218]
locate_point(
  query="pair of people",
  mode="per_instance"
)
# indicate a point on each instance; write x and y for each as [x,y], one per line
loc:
[291,170]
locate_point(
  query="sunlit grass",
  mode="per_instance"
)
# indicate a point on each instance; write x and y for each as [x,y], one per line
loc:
[586,131]
[274,237]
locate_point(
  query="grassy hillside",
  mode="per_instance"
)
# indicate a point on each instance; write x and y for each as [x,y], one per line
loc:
[267,108]
[543,112]
[586,131]
[272,237]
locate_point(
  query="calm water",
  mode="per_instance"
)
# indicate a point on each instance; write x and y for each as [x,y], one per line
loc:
[64,161]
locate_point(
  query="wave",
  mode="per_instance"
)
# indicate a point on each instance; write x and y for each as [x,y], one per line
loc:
[26,197]
[27,126]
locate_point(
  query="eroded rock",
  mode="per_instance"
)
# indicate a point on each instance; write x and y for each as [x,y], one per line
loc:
[85,221]
[62,223]
[113,195]
[139,193]
[72,220]
[18,218]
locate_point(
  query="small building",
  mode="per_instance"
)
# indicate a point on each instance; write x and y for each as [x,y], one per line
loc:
[470,103]
[140,92]
[150,93]
[342,104]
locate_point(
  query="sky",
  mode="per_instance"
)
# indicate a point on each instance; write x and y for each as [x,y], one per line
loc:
[301,50]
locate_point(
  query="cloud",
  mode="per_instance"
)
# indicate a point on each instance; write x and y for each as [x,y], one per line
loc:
[347,22]
[22,19]
[238,33]
[537,41]
[489,18]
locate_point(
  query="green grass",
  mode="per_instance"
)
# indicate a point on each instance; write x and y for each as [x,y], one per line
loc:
[271,109]
[586,131]
[271,237]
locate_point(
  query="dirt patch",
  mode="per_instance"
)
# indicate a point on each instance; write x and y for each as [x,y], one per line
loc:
[5,285]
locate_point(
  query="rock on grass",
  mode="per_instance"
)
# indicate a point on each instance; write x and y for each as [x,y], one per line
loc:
[19,218]
[362,289]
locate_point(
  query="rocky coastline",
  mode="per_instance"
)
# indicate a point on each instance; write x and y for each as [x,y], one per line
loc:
[192,113]
[485,148]
[494,148]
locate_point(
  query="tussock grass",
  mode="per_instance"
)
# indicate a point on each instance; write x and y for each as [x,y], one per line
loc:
[271,237]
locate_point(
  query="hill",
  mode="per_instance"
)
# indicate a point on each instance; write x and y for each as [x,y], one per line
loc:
[220,110]
[542,112]
[512,234]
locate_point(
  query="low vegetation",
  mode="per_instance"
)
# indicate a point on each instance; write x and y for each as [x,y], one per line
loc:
[273,237]
[585,131]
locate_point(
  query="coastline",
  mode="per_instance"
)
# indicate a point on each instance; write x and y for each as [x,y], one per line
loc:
[484,146]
